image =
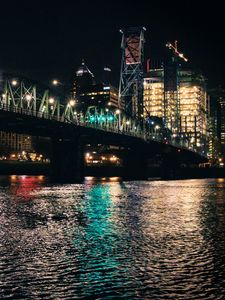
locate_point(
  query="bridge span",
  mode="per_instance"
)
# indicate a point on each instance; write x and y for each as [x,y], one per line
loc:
[26,109]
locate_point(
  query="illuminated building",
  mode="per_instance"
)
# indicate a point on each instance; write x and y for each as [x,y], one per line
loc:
[95,158]
[191,93]
[12,141]
[83,78]
[193,107]
[216,124]
[222,122]
[154,94]
[99,95]
[88,93]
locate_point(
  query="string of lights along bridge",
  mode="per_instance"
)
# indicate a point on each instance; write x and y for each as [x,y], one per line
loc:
[167,104]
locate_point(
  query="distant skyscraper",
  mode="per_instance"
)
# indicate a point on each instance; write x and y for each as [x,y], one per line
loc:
[83,78]
[222,122]
[214,111]
[88,93]
[217,123]
[99,95]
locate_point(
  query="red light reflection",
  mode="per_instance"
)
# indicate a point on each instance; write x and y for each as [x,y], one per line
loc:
[24,186]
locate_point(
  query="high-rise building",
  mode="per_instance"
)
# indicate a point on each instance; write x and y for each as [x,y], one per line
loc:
[88,93]
[192,104]
[216,108]
[98,95]
[171,98]
[222,122]
[154,94]
[84,78]
[193,107]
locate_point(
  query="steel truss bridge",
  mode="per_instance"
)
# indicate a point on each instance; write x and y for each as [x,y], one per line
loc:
[24,97]
[23,101]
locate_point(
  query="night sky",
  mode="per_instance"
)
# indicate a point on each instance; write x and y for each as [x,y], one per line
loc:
[46,39]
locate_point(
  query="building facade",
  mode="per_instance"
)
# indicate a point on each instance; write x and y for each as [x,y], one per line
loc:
[83,78]
[193,107]
[15,142]
[216,119]
[154,94]
[89,93]
[191,100]
[99,95]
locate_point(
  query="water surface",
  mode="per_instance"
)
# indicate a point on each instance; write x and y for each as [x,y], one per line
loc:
[108,239]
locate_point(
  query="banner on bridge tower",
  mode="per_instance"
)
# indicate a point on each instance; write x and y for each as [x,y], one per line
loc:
[132,50]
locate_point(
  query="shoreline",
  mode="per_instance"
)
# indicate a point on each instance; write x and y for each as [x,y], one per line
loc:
[37,168]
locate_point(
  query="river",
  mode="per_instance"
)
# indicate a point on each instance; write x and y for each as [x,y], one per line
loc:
[109,239]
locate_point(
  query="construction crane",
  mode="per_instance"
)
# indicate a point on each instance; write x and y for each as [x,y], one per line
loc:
[174,48]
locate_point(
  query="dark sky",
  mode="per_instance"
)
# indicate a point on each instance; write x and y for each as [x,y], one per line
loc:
[48,39]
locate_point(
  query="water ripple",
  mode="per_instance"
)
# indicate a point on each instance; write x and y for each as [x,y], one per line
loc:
[112,240]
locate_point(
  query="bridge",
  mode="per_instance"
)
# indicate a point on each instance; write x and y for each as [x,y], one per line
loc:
[28,108]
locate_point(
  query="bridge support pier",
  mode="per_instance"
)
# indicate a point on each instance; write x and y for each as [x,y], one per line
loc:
[135,166]
[170,166]
[67,161]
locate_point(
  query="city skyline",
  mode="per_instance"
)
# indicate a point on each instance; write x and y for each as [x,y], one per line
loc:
[45,41]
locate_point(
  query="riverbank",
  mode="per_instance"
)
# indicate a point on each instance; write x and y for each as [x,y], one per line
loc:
[24,168]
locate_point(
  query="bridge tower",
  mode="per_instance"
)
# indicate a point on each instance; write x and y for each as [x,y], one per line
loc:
[131,75]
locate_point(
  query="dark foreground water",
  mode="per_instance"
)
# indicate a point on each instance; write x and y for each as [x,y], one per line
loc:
[111,240]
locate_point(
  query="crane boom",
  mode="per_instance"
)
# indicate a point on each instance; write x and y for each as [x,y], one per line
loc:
[174,48]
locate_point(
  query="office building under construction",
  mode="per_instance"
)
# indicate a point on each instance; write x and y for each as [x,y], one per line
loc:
[193,107]
[154,94]
[189,119]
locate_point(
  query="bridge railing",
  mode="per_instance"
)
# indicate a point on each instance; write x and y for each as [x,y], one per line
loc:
[63,119]
[24,111]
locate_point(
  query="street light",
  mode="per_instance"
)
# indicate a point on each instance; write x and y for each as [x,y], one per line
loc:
[61,88]
[72,102]
[56,82]
[118,114]
[51,100]
[28,97]
[127,125]
[157,127]
[14,82]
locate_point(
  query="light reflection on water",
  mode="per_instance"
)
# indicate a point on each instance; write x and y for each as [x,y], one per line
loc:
[108,239]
